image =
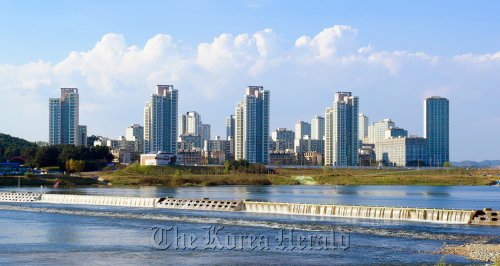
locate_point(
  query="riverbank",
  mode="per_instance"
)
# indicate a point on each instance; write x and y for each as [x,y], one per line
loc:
[212,176]
[48,180]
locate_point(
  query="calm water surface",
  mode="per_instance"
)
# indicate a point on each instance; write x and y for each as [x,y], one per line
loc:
[35,233]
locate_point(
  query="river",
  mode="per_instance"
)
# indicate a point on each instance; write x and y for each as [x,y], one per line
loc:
[39,233]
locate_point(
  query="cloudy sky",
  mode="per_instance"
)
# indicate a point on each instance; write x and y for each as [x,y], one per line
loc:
[392,55]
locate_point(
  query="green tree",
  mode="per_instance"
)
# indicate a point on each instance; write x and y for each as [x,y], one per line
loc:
[326,168]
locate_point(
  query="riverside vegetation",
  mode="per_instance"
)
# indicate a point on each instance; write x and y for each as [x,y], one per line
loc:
[242,173]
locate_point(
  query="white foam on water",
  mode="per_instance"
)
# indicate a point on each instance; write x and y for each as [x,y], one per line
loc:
[372,212]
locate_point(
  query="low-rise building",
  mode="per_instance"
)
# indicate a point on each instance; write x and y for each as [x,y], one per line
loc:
[367,155]
[219,144]
[216,157]
[313,158]
[133,145]
[282,158]
[191,157]
[160,158]
[121,156]
[401,151]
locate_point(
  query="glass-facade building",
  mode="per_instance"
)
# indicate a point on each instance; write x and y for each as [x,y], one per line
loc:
[436,130]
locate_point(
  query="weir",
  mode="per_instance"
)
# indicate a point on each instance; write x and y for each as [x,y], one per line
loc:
[19,197]
[450,216]
[99,200]
[373,212]
[197,204]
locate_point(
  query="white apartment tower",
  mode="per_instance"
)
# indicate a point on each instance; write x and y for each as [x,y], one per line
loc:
[302,129]
[377,130]
[64,115]
[318,128]
[362,127]
[193,122]
[252,126]
[160,120]
[341,131]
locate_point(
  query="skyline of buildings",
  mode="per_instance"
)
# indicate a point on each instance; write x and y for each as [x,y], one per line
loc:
[338,138]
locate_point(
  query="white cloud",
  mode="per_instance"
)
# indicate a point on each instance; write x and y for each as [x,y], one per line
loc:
[115,79]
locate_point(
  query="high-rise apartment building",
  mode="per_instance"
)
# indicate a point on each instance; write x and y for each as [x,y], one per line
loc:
[230,124]
[362,127]
[160,120]
[252,126]
[82,134]
[283,139]
[64,116]
[341,131]
[205,132]
[135,132]
[302,129]
[318,128]
[436,129]
[377,130]
[193,122]
[182,124]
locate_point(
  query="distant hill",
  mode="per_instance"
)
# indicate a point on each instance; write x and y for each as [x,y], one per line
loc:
[487,163]
[12,146]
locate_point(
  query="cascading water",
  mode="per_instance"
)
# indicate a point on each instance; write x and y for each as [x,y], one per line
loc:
[100,200]
[486,217]
[392,213]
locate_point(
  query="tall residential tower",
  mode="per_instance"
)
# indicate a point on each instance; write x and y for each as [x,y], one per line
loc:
[341,131]
[64,115]
[318,128]
[436,130]
[252,126]
[160,120]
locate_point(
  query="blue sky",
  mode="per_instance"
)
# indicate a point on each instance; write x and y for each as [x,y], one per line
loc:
[391,54]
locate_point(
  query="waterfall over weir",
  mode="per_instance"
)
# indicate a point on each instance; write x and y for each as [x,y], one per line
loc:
[484,217]
[390,213]
[100,200]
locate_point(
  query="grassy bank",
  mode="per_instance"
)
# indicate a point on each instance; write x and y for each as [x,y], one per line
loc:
[211,176]
[48,180]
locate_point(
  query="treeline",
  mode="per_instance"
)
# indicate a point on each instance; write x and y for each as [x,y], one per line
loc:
[243,166]
[67,157]
[11,147]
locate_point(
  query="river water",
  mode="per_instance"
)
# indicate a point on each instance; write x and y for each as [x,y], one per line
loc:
[36,233]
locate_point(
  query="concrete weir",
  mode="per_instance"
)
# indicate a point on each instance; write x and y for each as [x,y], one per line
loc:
[373,212]
[449,216]
[99,200]
[197,204]
[19,197]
